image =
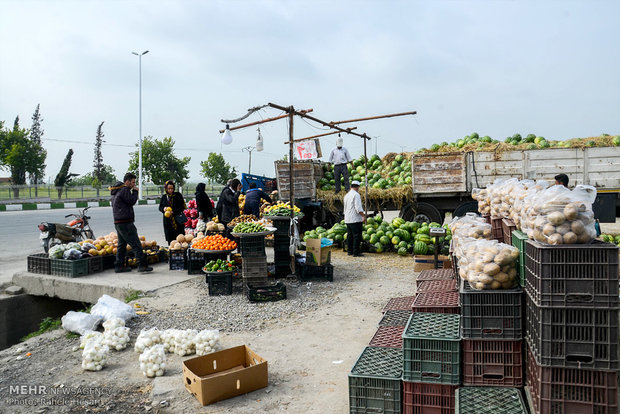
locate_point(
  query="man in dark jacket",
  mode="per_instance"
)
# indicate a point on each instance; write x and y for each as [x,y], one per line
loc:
[124,196]
[228,204]
[252,200]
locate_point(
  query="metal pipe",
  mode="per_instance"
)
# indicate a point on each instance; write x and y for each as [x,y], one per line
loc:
[320,135]
[262,121]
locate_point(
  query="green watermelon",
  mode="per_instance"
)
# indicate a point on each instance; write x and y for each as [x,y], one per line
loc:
[420,248]
[402,251]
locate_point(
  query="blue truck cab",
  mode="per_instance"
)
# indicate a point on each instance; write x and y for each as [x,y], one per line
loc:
[267,184]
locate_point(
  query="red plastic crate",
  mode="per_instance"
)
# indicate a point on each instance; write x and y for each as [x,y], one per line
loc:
[496,229]
[507,227]
[435,274]
[388,336]
[571,391]
[436,286]
[437,302]
[423,398]
[497,363]
[401,303]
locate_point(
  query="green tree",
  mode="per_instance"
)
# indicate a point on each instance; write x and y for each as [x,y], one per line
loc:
[36,133]
[20,155]
[97,177]
[64,177]
[108,177]
[159,163]
[216,169]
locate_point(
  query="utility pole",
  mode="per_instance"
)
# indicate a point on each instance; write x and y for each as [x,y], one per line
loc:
[140,110]
[249,149]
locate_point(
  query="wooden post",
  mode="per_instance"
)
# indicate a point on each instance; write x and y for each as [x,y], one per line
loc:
[291,114]
[365,178]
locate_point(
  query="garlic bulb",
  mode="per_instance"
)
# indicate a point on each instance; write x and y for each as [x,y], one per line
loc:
[207,341]
[153,361]
[147,338]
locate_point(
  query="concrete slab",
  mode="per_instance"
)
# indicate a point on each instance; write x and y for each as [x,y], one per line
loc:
[92,287]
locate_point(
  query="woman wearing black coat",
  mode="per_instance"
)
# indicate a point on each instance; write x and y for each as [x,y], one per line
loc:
[203,203]
[173,199]
[228,204]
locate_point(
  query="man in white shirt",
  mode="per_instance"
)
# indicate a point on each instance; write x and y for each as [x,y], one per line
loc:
[354,217]
[340,157]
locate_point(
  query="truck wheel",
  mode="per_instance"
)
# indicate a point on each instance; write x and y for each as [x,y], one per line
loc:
[467,207]
[425,212]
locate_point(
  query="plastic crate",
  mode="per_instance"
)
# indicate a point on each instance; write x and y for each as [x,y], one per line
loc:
[455,266]
[265,292]
[69,268]
[497,231]
[518,241]
[435,274]
[584,338]
[490,400]
[374,381]
[39,263]
[108,261]
[252,246]
[282,258]
[195,262]
[321,272]
[431,349]
[491,314]
[573,275]
[283,270]
[508,226]
[177,260]
[95,264]
[421,398]
[253,267]
[436,286]
[568,390]
[400,303]
[488,362]
[219,283]
[395,318]
[282,226]
[388,336]
[437,302]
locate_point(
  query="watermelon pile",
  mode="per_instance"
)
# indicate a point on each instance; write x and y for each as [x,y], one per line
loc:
[381,173]
[608,238]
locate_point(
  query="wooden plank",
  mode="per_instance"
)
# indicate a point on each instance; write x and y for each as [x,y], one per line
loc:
[439,173]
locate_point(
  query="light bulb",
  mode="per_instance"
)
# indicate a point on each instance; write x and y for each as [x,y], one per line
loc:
[227,136]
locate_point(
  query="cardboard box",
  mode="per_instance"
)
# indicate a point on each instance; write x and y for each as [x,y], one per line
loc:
[317,255]
[224,374]
[428,262]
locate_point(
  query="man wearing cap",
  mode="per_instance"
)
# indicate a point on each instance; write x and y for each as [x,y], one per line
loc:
[354,217]
[340,157]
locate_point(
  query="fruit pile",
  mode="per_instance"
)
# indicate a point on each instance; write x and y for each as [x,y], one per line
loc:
[220,265]
[608,238]
[382,174]
[248,228]
[215,242]
[182,242]
[242,219]
[191,212]
[280,209]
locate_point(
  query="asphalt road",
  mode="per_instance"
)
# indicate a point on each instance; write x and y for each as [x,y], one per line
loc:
[19,235]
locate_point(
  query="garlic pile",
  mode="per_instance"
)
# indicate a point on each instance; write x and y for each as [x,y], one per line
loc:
[184,342]
[147,338]
[153,361]
[116,335]
[88,335]
[113,323]
[207,341]
[94,356]
[168,340]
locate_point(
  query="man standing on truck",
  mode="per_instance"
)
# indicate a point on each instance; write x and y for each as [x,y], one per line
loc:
[340,157]
[353,218]
[561,179]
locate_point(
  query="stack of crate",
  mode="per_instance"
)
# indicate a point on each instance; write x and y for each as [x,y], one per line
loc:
[253,260]
[281,243]
[572,327]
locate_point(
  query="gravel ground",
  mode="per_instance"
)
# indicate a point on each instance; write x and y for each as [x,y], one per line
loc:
[311,341]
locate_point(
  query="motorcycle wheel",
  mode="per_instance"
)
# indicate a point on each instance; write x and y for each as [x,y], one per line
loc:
[89,234]
[51,242]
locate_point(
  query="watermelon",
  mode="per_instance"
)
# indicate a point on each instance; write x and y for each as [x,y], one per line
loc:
[395,240]
[420,248]
[402,251]
[384,240]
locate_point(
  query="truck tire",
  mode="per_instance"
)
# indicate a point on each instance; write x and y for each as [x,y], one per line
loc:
[466,207]
[422,212]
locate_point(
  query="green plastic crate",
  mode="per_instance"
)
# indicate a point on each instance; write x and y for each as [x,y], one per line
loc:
[489,400]
[518,241]
[375,384]
[70,268]
[431,348]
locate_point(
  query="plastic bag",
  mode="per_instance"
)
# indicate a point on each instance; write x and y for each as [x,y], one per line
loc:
[56,251]
[80,322]
[72,254]
[153,361]
[108,307]
[88,246]
[207,341]
[495,195]
[481,195]
[469,226]
[488,264]
[147,338]
[564,216]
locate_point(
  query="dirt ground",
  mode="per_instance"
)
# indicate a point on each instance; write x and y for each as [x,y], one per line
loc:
[309,355]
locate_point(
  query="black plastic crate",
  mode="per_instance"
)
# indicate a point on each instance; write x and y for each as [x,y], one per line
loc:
[219,283]
[282,226]
[177,260]
[491,314]
[252,246]
[395,318]
[317,272]
[282,257]
[69,268]
[573,337]
[572,274]
[375,384]
[435,274]
[95,264]
[108,261]
[283,270]
[39,263]
[266,292]
[490,400]
[195,262]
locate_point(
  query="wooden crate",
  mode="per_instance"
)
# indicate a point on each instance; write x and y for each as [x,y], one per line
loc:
[306,177]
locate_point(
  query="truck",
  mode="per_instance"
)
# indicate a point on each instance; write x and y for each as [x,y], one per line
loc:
[442,182]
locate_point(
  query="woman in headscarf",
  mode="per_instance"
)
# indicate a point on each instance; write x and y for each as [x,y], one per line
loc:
[203,203]
[173,199]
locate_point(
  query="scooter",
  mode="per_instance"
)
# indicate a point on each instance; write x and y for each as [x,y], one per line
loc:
[76,230]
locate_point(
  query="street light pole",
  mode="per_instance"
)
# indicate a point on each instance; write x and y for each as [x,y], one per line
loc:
[140,109]
[249,149]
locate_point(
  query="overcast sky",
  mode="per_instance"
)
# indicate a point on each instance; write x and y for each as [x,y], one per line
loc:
[494,67]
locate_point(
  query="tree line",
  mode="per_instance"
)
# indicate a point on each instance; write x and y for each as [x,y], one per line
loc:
[22,154]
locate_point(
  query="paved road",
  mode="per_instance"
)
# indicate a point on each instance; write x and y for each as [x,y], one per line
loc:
[19,235]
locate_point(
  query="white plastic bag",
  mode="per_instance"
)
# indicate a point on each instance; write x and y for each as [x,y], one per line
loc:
[108,307]
[80,322]
[207,341]
[153,361]
[487,264]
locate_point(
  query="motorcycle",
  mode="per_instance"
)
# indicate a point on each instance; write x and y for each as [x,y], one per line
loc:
[76,230]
